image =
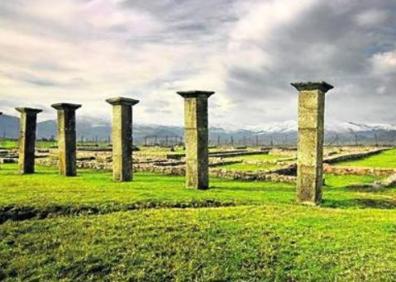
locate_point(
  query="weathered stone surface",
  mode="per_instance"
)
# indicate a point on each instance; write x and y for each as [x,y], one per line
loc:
[311,105]
[223,154]
[122,138]
[252,176]
[196,138]
[179,170]
[27,139]
[67,138]
[348,170]
[390,181]
[353,156]
[1,113]
[309,86]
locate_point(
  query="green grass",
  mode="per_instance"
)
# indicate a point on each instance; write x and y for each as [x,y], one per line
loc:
[13,144]
[46,189]
[157,151]
[386,159]
[250,167]
[284,243]
[97,189]
[263,158]
[265,162]
[153,229]
[8,144]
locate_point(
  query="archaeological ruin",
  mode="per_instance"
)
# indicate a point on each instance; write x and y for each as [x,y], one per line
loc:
[66,138]
[305,165]
[27,139]
[122,138]
[196,138]
[311,107]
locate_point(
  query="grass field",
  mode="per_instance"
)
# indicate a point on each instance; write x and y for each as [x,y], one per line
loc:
[250,167]
[13,144]
[262,162]
[385,159]
[44,144]
[153,229]
[264,158]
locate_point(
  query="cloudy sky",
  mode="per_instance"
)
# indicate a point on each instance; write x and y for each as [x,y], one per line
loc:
[248,51]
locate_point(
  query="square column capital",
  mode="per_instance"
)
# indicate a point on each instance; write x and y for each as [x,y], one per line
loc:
[122,101]
[66,106]
[29,110]
[309,86]
[195,94]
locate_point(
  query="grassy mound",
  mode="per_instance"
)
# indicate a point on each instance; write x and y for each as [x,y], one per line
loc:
[285,243]
[153,229]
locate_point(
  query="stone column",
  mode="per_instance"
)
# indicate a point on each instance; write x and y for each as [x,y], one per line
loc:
[1,113]
[27,139]
[196,138]
[122,138]
[311,106]
[67,138]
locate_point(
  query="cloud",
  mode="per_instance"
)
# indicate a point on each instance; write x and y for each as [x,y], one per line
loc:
[372,17]
[384,63]
[278,42]
[248,51]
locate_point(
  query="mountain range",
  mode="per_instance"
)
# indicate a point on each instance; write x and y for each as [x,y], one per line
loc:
[275,133]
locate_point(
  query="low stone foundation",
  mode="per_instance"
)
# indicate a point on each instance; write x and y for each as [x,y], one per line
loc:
[252,176]
[179,170]
[222,154]
[344,170]
[353,156]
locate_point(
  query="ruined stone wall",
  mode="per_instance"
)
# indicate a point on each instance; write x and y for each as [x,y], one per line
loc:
[353,156]
[252,176]
[344,170]
[178,170]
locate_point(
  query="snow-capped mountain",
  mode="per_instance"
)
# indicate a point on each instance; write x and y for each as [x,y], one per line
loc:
[277,133]
[335,127]
[343,127]
[281,127]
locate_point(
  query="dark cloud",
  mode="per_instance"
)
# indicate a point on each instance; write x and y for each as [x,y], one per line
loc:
[247,50]
[324,42]
[189,20]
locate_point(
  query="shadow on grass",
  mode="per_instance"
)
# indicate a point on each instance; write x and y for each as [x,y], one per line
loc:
[366,188]
[20,213]
[360,203]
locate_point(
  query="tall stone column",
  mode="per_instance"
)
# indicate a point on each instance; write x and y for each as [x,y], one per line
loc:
[67,138]
[311,107]
[27,139]
[196,138]
[1,113]
[122,138]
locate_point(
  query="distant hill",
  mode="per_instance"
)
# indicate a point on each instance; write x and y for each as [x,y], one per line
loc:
[87,129]
[280,133]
